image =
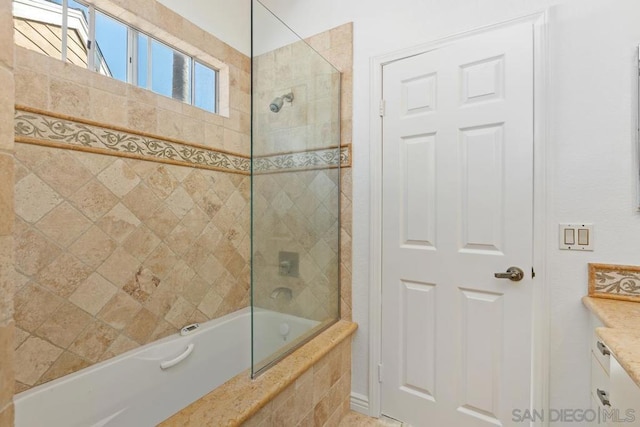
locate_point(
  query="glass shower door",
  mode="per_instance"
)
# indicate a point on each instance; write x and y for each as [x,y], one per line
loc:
[295,288]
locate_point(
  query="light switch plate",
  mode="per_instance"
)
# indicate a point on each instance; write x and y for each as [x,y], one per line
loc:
[576,237]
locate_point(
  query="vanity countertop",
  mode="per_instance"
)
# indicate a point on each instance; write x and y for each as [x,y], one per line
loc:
[621,332]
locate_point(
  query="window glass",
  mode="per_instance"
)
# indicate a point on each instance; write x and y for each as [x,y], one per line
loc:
[205,87]
[143,60]
[170,72]
[111,47]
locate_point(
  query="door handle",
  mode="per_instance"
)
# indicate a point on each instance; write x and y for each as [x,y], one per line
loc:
[604,397]
[514,274]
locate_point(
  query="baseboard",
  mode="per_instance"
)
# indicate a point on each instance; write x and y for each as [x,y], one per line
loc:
[360,403]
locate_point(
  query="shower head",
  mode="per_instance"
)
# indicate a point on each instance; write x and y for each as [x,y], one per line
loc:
[278,102]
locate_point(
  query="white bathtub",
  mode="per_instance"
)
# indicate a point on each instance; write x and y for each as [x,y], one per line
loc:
[132,389]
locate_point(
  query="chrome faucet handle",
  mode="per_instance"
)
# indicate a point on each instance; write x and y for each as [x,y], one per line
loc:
[282,290]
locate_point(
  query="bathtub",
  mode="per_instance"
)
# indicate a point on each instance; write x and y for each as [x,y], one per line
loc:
[133,390]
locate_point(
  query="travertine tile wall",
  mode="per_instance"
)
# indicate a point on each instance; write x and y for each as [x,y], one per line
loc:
[112,253]
[7,329]
[320,397]
[294,210]
[337,46]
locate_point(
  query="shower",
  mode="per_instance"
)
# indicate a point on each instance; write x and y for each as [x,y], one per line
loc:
[277,103]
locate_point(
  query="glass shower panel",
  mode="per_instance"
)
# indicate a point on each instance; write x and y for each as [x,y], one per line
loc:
[295,190]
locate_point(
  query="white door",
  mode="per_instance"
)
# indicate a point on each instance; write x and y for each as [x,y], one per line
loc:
[457,208]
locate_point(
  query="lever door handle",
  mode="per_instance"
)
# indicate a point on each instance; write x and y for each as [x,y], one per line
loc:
[514,274]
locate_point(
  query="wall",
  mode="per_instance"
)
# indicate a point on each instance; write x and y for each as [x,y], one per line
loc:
[591,155]
[7,325]
[132,209]
[319,397]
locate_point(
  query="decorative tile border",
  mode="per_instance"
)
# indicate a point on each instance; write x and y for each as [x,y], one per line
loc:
[614,281]
[323,158]
[36,127]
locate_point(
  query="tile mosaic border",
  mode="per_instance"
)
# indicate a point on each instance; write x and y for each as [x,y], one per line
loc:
[614,281]
[323,158]
[44,128]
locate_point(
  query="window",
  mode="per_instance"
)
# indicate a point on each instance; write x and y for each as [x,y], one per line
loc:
[85,36]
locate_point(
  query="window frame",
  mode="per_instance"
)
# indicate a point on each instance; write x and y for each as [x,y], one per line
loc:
[133,49]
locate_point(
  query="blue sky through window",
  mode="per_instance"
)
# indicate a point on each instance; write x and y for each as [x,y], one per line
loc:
[111,40]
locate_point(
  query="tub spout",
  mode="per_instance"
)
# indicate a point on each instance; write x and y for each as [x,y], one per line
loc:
[282,290]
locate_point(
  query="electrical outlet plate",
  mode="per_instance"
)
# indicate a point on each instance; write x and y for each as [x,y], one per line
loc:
[576,237]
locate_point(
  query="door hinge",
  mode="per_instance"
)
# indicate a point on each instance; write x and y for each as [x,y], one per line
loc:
[533,273]
[382,107]
[380,372]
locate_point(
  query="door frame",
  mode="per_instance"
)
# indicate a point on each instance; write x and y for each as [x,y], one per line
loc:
[540,363]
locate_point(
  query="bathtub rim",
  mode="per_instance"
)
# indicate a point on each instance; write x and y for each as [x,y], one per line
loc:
[237,400]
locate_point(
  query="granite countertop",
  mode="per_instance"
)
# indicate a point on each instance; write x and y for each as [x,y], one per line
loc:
[621,332]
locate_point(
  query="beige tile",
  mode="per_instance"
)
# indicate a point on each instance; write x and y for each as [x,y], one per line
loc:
[119,178]
[6,193]
[179,277]
[161,182]
[195,290]
[7,357]
[64,224]
[142,326]
[142,117]
[180,313]
[142,202]
[93,294]
[66,364]
[141,243]
[93,248]
[119,222]
[7,415]
[33,358]
[33,305]
[63,173]
[94,341]
[108,107]
[64,275]
[7,274]
[94,200]
[142,285]
[95,163]
[20,387]
[20,337]
[161,261]
[34,198]
[210,304]
[180,202]
[119,268]
[32,88]
[161,302]
[66,97]
[119,311]
[122,344]
[162,222]
[64,325]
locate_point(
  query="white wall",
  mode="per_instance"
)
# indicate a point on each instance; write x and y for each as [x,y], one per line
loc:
[230,21]
[591,150]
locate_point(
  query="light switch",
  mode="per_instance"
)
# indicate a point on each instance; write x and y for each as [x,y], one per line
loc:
[576,237]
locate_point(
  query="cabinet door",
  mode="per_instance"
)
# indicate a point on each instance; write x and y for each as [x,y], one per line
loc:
[624,397]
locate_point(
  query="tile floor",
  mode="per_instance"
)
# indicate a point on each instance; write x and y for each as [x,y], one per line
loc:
[355,419]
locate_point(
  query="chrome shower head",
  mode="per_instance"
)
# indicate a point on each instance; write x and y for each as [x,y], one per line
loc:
[278,102]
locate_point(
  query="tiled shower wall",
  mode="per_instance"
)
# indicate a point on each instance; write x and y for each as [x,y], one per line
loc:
[115,252]
[6,215]
[297,210]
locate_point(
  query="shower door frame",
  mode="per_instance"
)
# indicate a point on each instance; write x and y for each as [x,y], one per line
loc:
[540,346]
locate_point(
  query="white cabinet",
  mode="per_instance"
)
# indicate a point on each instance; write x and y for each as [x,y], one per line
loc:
[625,397]
[615,397]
